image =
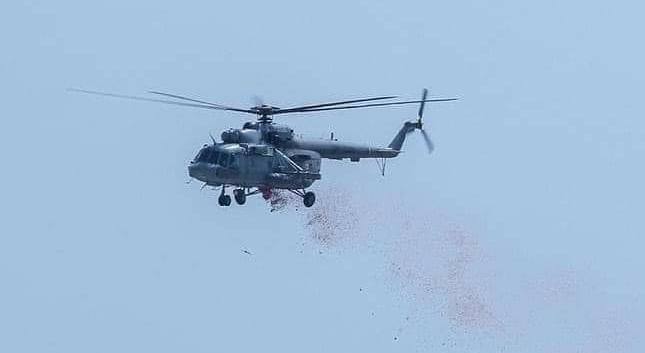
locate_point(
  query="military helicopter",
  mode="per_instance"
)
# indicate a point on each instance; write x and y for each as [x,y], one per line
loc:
[264,156]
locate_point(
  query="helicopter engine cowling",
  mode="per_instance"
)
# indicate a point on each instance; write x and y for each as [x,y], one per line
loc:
[231,136]
[240,136]
[279,133]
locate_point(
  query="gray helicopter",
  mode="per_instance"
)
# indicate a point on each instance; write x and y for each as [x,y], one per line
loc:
[263,156]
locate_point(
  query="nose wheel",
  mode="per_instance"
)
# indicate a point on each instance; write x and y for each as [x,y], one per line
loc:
[224,200]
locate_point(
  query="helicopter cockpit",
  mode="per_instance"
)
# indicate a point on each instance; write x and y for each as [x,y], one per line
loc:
[209,154]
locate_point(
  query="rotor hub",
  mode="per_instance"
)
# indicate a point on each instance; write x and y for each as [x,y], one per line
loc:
[265,112]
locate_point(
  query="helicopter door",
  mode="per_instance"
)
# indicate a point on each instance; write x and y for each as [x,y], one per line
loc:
[259,161]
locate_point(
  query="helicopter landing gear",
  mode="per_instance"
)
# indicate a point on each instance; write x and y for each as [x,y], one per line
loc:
[224,200]
[240,196]
[309,198]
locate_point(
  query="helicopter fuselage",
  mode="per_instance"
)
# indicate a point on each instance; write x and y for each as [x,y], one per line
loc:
[252,165]
[269,156]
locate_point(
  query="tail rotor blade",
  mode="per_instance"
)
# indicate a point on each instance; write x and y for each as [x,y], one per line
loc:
[423,103]
[429,143]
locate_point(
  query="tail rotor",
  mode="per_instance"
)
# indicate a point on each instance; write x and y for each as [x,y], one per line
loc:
[426,136]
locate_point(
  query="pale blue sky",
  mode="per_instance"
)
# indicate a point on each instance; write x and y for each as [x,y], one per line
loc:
[104,248]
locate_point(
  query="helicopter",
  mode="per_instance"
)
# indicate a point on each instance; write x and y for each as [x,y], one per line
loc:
[264,156]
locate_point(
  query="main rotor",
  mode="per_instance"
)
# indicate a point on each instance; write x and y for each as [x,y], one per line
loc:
[266,112]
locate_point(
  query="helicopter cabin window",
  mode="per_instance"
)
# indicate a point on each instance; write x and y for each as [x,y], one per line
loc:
[223,159]
[262,150]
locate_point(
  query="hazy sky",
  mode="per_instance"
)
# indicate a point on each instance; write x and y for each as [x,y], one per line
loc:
[529,212]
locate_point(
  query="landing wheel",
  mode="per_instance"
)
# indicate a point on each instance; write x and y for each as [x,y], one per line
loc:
[309,198]
[240,196]
[224,200]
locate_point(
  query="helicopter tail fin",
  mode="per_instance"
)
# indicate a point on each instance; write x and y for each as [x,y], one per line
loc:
[399,138]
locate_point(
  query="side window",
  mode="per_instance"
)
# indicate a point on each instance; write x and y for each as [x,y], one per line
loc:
[262,150]
[213,157]
[223,159]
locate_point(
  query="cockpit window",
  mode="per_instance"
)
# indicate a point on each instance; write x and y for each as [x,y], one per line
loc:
[211,155]
[202,155]
[208,155]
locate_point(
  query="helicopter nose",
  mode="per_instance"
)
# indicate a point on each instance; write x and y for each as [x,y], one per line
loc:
[196,170]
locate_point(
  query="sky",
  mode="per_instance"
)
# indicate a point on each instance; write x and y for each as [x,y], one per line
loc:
[522,232]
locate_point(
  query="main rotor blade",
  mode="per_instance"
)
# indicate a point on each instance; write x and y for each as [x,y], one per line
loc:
[193,100]
[429,143]
[281,111]
[123,96]
[307,107]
